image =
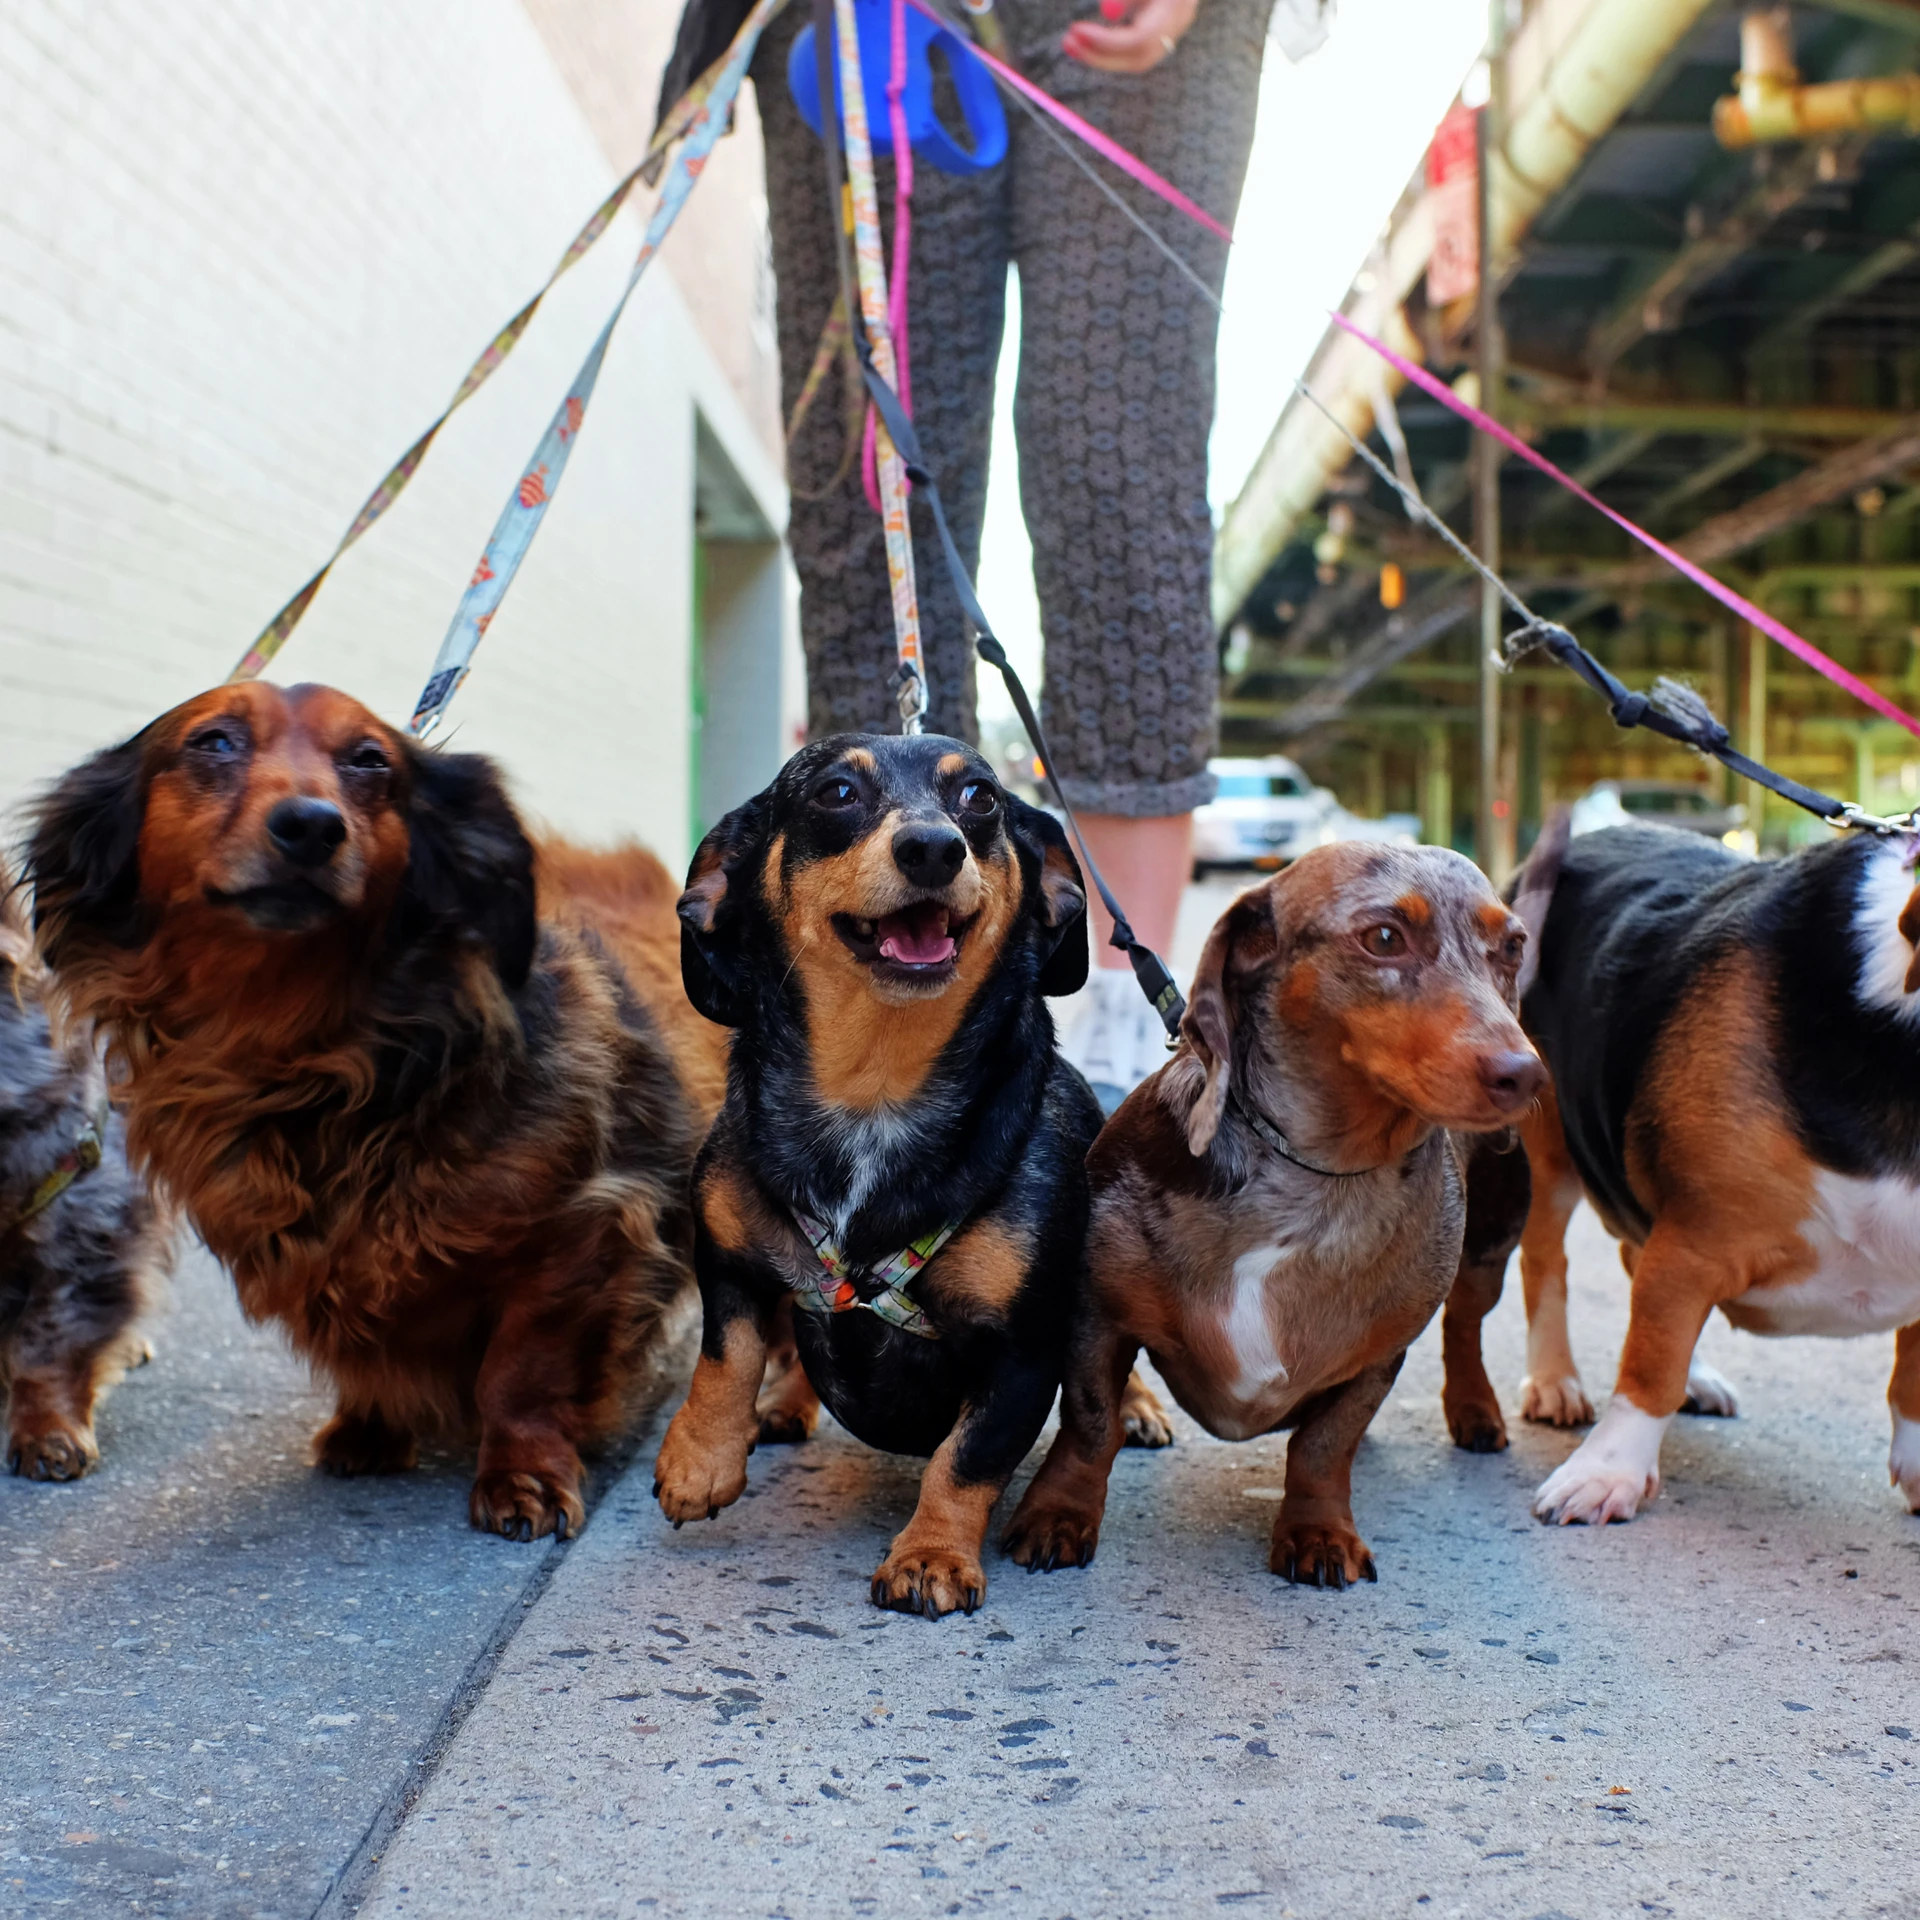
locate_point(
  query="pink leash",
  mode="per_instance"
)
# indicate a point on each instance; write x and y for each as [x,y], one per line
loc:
[1737,603]
[1106,148]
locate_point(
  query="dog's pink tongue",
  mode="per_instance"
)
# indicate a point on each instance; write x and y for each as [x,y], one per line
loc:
[916,938]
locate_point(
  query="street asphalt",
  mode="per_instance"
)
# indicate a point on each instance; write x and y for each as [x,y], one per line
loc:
[232,1687]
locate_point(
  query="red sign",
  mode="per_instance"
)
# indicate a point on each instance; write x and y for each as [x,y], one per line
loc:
[1453,205]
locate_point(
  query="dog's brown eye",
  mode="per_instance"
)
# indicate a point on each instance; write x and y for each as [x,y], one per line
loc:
[978,796]
[216,741]
[1512,948]
[837,794]
[367,758]
[1384,941]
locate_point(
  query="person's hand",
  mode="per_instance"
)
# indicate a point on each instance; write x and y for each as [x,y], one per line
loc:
[1137,36]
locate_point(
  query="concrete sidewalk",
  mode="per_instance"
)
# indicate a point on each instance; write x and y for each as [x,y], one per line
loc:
[220,1671]
[715,1721]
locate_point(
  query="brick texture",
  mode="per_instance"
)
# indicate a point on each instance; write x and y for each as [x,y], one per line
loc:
[247,250]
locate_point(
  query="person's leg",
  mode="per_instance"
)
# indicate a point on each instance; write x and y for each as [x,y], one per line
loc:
[956,293]
[1114,409]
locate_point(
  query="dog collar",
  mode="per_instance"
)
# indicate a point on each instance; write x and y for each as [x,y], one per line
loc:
[79,1160]
[834,1289]
[1278,1142]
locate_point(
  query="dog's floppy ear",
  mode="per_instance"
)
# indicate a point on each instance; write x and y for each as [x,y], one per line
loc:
[1245,927]
[1060,901]
[469,862]
[83,861]
[713,914]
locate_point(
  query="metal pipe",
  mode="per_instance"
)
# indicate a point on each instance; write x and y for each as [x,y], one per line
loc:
[1572,69]
[1772,105]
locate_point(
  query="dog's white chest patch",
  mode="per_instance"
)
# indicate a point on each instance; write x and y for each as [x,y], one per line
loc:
[1248,1326]
[1865,1236]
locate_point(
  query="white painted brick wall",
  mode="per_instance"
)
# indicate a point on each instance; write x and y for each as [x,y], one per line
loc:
[247,250]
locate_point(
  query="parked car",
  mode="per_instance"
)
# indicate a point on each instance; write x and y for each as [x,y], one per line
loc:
[1266,813]
[1656,803]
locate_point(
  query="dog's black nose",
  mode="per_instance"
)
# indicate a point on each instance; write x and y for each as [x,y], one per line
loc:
[1512,1080]
[929,854]
[307,832]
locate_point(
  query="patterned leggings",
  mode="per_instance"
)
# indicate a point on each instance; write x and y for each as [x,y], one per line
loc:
[1113,409]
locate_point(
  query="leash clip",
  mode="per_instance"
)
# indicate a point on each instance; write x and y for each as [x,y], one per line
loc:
[910,691]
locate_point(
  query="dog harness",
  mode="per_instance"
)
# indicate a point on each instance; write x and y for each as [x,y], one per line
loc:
[79,1159]
[835,1290]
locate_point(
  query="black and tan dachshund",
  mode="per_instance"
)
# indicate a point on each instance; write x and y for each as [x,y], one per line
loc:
[901,1148]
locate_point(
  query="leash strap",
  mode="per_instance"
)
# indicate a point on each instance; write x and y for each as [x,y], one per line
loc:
[871,270]
[1674,711]
[1755,616]
[1148,968]
[280,628]
[533,493]
[836,1291]
[1106,147]
[79,1160]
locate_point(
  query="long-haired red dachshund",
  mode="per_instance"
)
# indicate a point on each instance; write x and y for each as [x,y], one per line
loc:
[438,1133]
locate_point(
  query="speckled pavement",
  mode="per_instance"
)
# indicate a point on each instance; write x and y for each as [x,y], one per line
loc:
[220,1671]
[1707,1712]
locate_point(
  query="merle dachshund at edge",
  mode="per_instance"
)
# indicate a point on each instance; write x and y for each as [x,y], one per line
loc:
[900,1153]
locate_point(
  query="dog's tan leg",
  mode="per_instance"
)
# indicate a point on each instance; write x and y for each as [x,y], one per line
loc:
[1143,1419]
[1498,1186]
[1551,1390]
[1903,1398]
[1617,1467]
[933,1566]
[50,1417]
[703,1459]
[1467,1398]
[1314,1540]
[788,1409]
[1057,1523]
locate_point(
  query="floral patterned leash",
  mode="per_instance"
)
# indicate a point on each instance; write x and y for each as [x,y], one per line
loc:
[527,505]
[677,121]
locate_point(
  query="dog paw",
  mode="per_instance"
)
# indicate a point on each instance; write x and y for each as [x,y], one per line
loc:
[1319,1553]
[1476,1424]
[1903,1462]
[525,1506]
[1560,1402]
[1143,1419]
[1710,1392]
[58,1453]
[1593,1492]
[928,1580]
[1044,1537]
[696,1476]
[351,1444]
[784,1427]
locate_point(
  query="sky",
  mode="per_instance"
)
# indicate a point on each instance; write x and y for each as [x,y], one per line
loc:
[1338,138]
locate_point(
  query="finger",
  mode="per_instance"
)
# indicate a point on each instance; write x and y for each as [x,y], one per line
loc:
[1128,49]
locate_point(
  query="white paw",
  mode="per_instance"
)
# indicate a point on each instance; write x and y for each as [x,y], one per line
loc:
[1710,1391]
[1609,1474]
[1559,1402]
[1903,1462]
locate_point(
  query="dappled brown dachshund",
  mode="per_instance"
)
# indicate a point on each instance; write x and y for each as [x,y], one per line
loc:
[1279,1210]
[438,1133]
[83,1248]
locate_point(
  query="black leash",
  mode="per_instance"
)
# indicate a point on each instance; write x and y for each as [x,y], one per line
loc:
[1148,968]
[1673,710]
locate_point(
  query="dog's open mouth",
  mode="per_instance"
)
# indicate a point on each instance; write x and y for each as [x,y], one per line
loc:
[921,940]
